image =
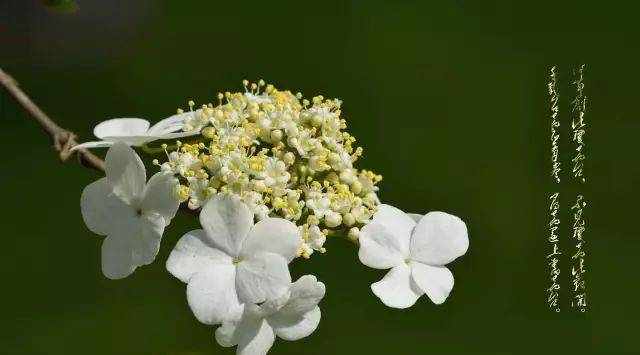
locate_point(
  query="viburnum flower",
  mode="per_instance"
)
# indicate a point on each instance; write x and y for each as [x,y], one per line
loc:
[130,212]
[274,174]
[415,248]
[232,261]
[293,316]
[137,131]
[181,163]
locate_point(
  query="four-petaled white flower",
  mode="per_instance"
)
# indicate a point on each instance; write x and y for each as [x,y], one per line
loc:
[415,248]
[137,131]
[232,261]
[293,316]
[130,212]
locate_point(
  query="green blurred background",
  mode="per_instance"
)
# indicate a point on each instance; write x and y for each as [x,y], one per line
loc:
[449,100]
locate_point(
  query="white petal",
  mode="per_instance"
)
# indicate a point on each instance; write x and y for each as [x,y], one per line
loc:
[211,294]
[227,222]
[135,241]
[435,281]
[261,277]
[241,328]
[178,135]
[300,316]
[260,343]
[194,253]
[439,238]
[276,235]
[101,207]
[273,305]
[125,171]
[257,342]
[379,248]
[121,127]
[398,223]
[135,141]
[415,216]
[396,289]
[117,258]
[96,144]
[306,293]
[145,242]
[224,334]
[252,334]
[297,330]
[168,125]
[159,196]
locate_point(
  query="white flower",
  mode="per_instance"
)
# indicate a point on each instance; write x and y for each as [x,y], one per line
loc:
[415,252]
[304,142]
[231,260]
[332,219]
[291,317]
[256,204]
[275,173]
[360,214]
[312,239]
[129,211]
[321,205]
[305,250]
[181,163]
[199,192]
[316,238]
[348,176]
[136,131]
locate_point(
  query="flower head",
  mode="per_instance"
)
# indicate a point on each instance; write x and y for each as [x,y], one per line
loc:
[283,155]
[416,253]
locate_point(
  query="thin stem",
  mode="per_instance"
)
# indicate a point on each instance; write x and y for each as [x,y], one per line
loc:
[157,150]
[63,139]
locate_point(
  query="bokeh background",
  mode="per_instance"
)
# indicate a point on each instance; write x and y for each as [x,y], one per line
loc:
[448,97]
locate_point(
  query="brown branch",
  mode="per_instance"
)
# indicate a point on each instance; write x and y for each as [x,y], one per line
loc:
[63,139]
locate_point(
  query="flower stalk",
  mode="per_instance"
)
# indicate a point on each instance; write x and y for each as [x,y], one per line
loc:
[63,139]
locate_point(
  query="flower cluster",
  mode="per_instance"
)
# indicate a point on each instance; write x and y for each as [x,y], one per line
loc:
[283,156]
[272,175]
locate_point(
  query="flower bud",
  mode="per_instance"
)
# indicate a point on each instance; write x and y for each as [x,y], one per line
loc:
[333,219]
[348,219]
[316,120]
[276,135]
[356,187]
[354,234]
[209,132]
[259,186]
[289,158]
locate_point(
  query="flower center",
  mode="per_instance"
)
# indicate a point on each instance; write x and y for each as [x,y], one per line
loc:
[236,260]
